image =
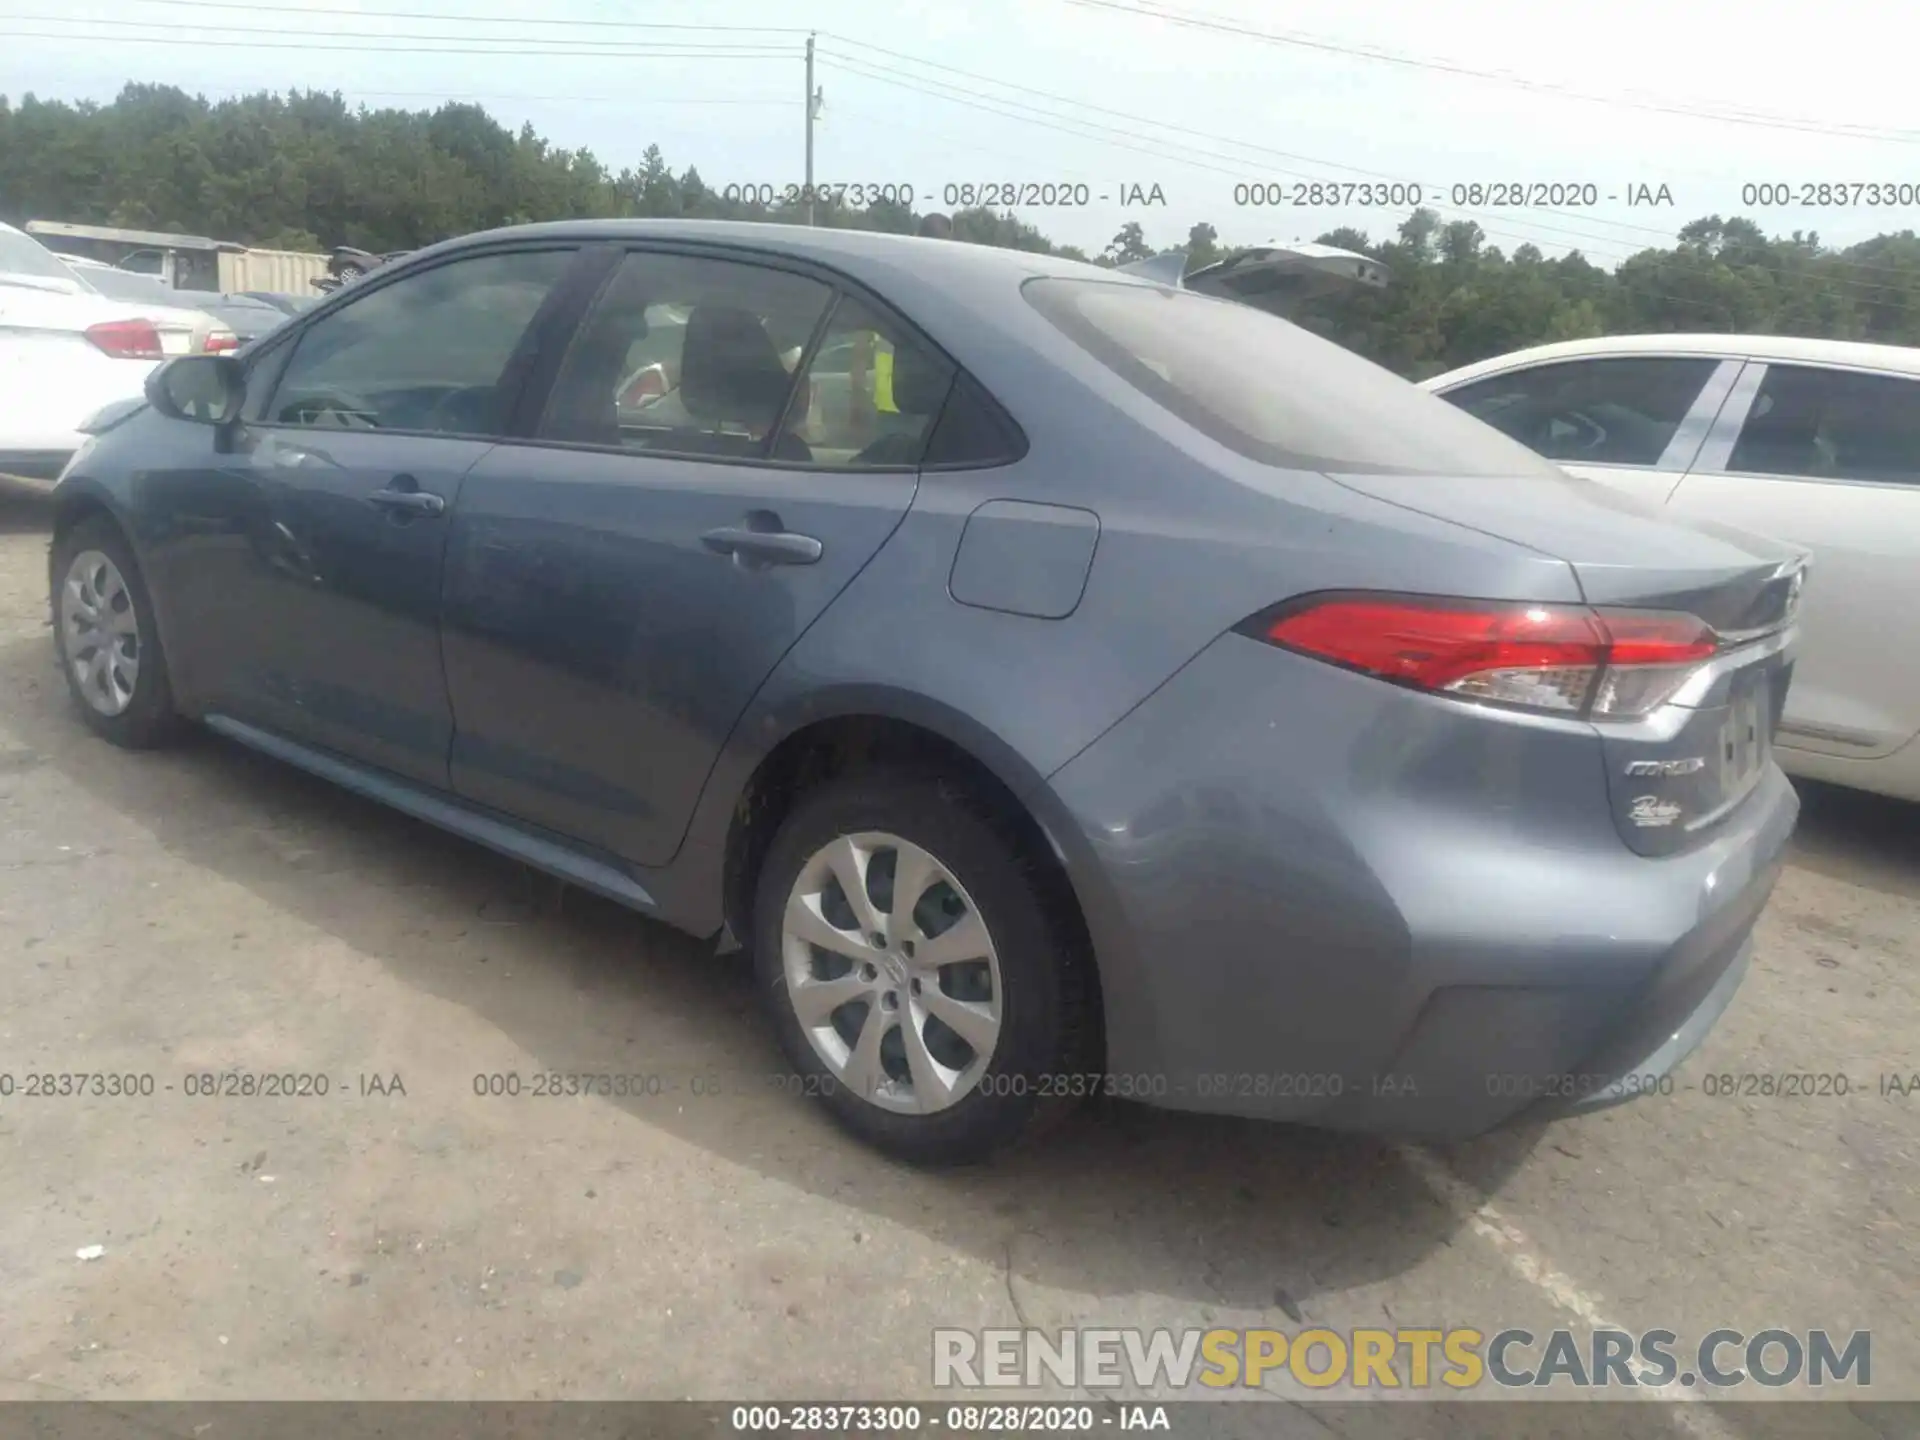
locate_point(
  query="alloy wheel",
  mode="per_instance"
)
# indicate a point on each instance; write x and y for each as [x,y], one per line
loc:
[891,972]
[100,632]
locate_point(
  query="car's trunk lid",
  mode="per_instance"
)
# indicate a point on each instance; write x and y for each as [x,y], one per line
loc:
[1673,776]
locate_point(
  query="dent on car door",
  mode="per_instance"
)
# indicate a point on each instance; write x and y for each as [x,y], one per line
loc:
[618,589]
[1632,422]
[1829,459]
[313,598]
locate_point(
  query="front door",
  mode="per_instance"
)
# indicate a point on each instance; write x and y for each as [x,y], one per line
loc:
[618,587]
[316,613]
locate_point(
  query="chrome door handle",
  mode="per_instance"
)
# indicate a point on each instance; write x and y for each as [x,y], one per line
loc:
[769,547]
[409,502]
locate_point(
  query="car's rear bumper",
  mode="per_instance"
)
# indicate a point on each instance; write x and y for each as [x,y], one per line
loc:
[1320,897]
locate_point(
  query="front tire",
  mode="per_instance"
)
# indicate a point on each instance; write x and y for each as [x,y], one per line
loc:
[106,639]
[916,969]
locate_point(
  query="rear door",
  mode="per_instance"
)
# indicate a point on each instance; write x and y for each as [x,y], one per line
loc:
[1633,422]
[1829,458]
[621,582]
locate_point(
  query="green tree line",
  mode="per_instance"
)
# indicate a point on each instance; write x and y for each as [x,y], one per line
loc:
[306,171]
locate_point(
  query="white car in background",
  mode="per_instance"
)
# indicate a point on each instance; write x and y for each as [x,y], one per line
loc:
[66,351]
[186,327]
[1811,441]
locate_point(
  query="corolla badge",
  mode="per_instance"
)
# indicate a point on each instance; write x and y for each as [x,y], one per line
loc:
[1691,765]
[1650,811]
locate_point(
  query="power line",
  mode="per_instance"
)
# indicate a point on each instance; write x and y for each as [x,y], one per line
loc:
[519,46]
[955,94]
[1665,234]
[1197,21]
[597,53]
[468,17]
[1062,124]
[593,46]
[1325,164]
[1151,9]
[475,98]
[1127,140]
[1103,134]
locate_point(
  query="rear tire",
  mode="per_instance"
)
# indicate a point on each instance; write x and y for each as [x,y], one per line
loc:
[983,948]
[106,640]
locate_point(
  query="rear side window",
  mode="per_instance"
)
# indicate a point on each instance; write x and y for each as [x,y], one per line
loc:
[870,394]
[1831,424]
[972,432]
[688,355]
[1269,389]
[1597,412]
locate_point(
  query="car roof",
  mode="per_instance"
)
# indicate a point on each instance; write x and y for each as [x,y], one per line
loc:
[859,253]
[1903,359]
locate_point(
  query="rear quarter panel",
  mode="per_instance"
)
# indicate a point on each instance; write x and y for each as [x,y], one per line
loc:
[1191,540]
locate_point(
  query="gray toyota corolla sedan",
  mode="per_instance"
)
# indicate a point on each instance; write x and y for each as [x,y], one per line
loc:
[1097,688]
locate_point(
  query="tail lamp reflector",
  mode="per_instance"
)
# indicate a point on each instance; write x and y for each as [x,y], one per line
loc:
[1566,659]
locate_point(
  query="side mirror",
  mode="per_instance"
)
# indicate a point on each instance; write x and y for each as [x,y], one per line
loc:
[207,389]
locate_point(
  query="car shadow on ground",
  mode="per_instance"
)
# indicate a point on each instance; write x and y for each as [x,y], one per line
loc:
[1862,839]
[1121,1200]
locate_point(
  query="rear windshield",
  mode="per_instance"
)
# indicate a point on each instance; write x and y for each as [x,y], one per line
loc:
[23,255]
[1270,390]
[125,285]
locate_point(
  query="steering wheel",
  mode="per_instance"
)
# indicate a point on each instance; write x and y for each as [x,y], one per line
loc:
[465,410]
[1588,435]
[347,410]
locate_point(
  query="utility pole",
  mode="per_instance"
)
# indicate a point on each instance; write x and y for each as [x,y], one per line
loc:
[811,108]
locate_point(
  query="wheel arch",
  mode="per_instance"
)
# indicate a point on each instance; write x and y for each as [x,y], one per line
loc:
[80,498]
[875,725]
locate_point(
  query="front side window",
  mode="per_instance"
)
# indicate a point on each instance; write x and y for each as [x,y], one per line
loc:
[691,356]
[1597,412]
[426,353]
[1831,424]
[1271,390]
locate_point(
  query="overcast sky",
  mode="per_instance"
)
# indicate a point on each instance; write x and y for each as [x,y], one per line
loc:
[1095,92]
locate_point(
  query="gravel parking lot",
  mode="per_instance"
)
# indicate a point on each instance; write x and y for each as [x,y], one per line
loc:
[205,909]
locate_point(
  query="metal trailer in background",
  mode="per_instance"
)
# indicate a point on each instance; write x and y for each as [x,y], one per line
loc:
[185,262]
[285,272]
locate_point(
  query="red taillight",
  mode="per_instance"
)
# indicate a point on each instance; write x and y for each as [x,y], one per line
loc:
[221,342]
[1565,658]
[126,339]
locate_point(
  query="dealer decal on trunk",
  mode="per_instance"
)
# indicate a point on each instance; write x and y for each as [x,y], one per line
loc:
[1651,810]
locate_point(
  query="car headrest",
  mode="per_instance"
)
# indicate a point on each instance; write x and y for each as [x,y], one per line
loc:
[729,368]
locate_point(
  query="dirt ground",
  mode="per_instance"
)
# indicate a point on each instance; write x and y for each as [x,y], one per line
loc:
[205,910]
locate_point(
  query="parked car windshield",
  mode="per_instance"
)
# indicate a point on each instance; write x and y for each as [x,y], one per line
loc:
[1271,390]
[23,255]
